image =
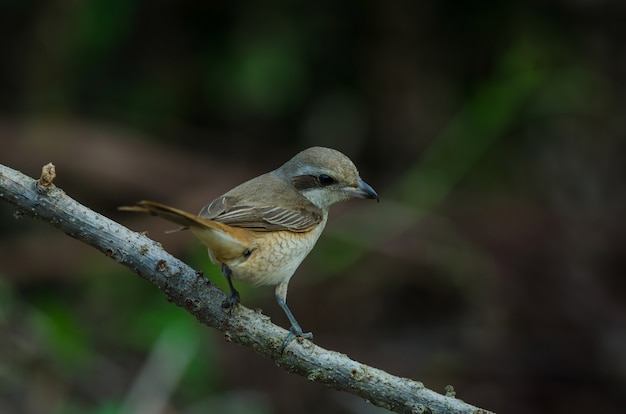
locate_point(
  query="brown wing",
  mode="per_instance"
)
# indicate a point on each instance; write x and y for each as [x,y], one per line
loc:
[264,203]
[227,210]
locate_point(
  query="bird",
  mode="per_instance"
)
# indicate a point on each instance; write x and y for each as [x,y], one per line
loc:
[260,231]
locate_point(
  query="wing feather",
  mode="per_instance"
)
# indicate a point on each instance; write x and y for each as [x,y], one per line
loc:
[226,210]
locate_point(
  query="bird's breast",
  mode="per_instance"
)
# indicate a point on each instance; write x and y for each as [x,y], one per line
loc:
[274,256]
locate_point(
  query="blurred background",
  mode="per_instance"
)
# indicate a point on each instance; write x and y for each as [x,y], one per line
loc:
[493,132]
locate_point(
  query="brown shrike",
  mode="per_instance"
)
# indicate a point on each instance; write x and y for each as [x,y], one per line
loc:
[260,231]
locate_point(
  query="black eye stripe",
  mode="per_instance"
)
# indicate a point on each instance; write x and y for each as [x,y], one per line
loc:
[304,182]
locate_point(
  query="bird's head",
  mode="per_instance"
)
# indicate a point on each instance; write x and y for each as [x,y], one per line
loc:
[325,176]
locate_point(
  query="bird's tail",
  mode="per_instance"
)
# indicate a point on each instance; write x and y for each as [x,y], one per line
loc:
[225,242]
[164,211]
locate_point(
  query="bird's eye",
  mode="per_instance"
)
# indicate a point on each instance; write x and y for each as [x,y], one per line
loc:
[326,180]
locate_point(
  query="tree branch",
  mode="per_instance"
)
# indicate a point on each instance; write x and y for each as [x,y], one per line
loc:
[190,290]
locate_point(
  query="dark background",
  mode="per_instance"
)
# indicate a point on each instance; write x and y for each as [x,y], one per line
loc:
[493,132]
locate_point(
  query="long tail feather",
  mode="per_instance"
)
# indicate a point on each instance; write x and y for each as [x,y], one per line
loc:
[225,242]
[164,211]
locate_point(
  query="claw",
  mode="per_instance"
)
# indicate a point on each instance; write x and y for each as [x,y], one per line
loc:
[295,332]
[233,297]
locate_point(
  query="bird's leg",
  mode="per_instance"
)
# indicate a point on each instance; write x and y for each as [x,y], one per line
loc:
[233,297]
[295,330]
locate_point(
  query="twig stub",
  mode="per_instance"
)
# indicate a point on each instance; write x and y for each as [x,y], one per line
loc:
[48,173]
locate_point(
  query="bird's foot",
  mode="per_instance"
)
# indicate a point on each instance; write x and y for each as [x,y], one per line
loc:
[230,303]
[233,297]
[295,332]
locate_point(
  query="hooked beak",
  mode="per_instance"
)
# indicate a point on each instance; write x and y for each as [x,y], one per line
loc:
[363,190]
